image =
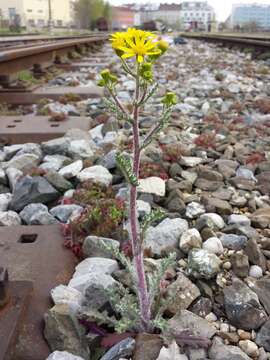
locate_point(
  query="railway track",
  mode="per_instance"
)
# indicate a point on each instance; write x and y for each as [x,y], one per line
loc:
[259,43]
[42,55]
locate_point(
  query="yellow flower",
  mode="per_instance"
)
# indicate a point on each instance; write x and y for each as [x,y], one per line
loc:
[136,43]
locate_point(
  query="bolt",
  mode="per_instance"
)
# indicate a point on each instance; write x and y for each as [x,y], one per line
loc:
[3,287]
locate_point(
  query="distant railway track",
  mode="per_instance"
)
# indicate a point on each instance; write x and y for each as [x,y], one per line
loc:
[42,54]
[259,43]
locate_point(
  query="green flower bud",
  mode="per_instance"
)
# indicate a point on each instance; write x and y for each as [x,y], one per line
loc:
[170,99]
[101,83]
[147,66]
[147,75]
[105,74]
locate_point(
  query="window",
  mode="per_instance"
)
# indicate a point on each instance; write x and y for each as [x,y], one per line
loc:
[31,22]
[29,10]
[40,11]
[41,23]
[59,23]
[11,12]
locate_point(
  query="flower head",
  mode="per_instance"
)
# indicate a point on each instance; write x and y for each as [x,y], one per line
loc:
[169,99]
[135,43]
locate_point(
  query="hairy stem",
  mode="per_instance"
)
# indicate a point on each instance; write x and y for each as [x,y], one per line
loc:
[137,248]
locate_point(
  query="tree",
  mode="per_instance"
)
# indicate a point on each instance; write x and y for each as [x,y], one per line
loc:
[88,11]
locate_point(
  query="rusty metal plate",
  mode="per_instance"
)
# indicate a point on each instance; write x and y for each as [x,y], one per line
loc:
[12,316]
[35,254]
[54,93]
[23,129]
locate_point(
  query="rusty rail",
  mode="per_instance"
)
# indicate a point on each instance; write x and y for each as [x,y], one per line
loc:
[257,43]
[15,60]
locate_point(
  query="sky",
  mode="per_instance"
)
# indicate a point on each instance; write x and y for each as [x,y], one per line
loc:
[222,7]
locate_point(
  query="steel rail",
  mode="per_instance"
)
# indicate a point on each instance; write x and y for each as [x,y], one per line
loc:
[242,41]
[15,60]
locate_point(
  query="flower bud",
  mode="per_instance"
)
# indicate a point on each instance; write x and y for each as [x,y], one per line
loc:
[170,99]
[162,46]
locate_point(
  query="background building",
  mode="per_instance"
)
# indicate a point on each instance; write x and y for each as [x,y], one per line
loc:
[253,15]
[197,15]
[122,17]
[35,13]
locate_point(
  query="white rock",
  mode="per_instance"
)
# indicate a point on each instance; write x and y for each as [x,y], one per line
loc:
[96,173]
[249,347]
[190,161]
[71,170]
[13,176]
[255,271]
[9,218]
[143,208]
[215,219]
[63,294]
[194,210]
[80,149]
[190,239]
[165,235]
[96,133]
[96,264]
[63,355]
[53,162]
[152,185]
[241,220]
[171,353]
[213,245]
[206,107]
[5,200]
[22,162]
[3,177]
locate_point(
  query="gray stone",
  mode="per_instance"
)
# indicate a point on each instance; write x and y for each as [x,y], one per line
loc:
[213,245]
[56,146]
[210,220]
[5,200]
[9,218]
[91,247]
[71,170]
[219,351]
[234,242]
[190,161]
[203,264]
[23,162]
[32,190]
[80,149]
[241,220]
[96,173]
[27,213]
[185,319]
[96,265]
[255,254]
[184,292]
[63,331]
[63,355]
[242,306]
[263,336]
[255,271]
[262,289]
[53,162]
[222,207]
[64,212]
[108,160]
[43,218]
[261,218]
[165,236]
[189,240]
[96,289]
[124,348]
[194,209]
[3,177]
[143,208]
[13,176]
[58,181]
[30,148]
[240,265]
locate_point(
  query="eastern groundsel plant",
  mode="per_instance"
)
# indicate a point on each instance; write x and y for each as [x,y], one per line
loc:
[138,51]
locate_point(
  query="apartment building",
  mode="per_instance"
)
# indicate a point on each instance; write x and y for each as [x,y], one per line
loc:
[197,15]
[122,17]
[244,14]
[35,13]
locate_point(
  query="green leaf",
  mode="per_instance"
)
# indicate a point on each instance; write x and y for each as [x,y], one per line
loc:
[125,166]
[155,215]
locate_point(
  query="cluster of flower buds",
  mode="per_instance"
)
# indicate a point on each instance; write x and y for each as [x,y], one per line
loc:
[169,99]
[107,79]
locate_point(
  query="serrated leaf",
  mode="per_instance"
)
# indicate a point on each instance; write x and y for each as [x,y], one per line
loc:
[125,166]
[155,215]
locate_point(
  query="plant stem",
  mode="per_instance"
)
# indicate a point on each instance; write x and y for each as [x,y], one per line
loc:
[137,248]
